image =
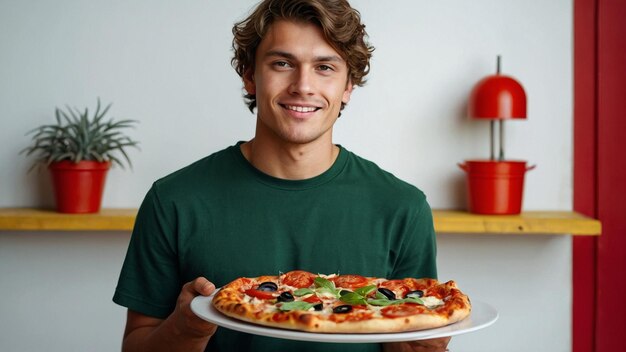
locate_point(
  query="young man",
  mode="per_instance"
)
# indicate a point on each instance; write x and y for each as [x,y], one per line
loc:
[287,199]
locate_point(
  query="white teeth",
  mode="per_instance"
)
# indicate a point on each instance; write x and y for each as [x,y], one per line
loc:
[300,108]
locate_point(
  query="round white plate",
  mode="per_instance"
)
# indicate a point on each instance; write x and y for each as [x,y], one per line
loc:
[482,316]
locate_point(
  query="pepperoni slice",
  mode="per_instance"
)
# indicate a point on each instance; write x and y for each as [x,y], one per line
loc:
[350,281]
[312,299]
[299,279]
[401,310]
[397,286]
[260,294]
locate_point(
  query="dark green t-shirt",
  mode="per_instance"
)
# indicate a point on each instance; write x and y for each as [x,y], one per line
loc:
[222,219]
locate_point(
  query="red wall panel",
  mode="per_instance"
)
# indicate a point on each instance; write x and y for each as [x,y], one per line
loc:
[611,251]
[585,168]
[599,268]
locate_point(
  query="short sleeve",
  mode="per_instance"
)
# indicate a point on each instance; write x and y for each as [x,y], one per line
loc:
[418,247]
[149,281]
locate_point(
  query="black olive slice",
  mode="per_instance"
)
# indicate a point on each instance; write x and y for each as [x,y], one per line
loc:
[318,306]
[416,293]
[268,286]
[387,293]
[285,297]
[346,308]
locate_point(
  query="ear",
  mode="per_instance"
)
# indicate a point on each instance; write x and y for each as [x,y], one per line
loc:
[347,93]
[248,82]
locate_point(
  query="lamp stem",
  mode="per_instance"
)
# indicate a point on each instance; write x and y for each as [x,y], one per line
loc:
[501,156]
[492,144]
[498,64]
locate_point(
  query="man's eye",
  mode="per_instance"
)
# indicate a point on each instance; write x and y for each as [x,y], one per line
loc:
[281,64]
[325,68]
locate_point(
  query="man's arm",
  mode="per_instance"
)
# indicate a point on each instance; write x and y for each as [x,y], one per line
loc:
[432,345]
[181,331]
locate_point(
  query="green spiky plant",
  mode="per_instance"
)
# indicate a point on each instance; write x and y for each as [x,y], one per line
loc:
[76,136]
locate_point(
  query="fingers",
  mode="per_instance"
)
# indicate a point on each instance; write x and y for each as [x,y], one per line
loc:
[431,345]
[199,286]
[203,286]
[187,320]
[192,289]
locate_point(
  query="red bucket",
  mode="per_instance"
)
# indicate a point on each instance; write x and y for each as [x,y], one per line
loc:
[495,187]
[78,187]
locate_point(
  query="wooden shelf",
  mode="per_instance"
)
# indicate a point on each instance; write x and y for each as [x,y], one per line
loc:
[446,221]
[530,222]
[50,220]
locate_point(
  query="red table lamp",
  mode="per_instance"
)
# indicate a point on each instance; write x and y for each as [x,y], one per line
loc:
[495,186]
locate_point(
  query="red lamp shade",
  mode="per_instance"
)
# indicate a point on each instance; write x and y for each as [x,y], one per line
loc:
[497,97]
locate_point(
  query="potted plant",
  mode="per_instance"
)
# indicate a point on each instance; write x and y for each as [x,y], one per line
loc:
[79,150]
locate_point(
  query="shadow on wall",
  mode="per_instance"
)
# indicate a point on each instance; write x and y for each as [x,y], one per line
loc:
[458,191]
[42,195]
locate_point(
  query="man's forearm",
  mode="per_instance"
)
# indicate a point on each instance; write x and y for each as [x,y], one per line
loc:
[164,337]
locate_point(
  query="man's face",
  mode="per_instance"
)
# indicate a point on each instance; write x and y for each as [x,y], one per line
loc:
[300,82]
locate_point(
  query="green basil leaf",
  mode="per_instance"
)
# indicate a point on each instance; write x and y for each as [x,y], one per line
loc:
[302,292]
[382,302]
[353,299]
[380,296]
[325,290]
[295,305]
[366,290]
[325,286]
[324,283]
[413,300]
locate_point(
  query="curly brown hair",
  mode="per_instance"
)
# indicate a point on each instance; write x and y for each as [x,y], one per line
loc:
[340,23]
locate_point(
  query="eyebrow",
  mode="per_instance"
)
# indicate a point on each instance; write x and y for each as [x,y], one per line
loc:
[286,55]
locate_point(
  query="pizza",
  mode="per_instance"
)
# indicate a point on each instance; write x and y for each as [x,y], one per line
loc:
[300,300]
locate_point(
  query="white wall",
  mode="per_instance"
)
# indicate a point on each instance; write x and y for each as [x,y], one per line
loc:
[166,64]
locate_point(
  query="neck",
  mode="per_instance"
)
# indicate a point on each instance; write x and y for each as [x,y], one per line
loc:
[290,161]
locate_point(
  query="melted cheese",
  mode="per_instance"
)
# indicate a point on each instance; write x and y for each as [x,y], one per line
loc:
[325,295]
[431,302]
[284,287]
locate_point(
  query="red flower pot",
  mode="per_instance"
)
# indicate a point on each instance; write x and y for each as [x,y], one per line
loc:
[495,187]
[78,187]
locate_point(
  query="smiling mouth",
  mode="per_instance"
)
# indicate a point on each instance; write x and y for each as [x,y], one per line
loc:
[298,108]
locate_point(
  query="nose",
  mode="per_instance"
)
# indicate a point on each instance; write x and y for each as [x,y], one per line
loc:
[302,83]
